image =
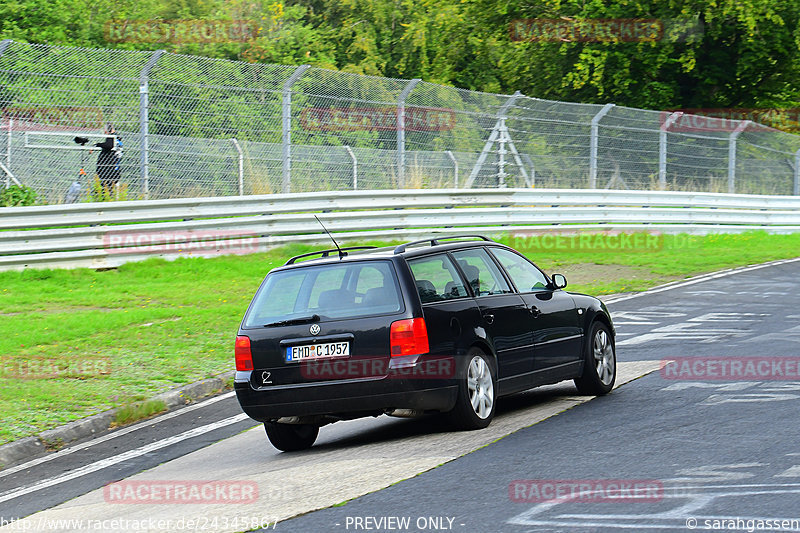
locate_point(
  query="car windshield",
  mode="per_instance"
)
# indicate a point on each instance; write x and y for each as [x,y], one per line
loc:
[325,292]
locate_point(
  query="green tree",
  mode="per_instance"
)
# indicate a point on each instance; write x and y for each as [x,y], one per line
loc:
[741,53]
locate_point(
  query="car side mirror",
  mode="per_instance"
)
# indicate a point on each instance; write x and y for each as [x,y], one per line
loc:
[559,281]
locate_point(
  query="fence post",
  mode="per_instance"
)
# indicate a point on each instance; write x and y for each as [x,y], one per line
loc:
[8,149]
[497,130]
[501,155]
[401,131]
[241,165]
[796,191]
[532,182]
[9,176]
[286,125]
[732,154]
[455,167]
[144,130]
[355,167]
[593,144]
[662,148]
[3,45]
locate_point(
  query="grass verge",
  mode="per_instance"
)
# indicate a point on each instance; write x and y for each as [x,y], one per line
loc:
[77,342]
[133,412]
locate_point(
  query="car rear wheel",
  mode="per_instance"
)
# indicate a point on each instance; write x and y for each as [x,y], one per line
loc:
[477,387]
[600,363]
[291,437]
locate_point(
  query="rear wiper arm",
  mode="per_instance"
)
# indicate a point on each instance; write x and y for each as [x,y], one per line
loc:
[292,321]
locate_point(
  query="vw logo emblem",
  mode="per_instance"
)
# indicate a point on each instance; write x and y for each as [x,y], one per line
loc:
[314,329]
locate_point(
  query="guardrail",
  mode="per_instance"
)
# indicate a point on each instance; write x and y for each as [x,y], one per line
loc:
[105,235]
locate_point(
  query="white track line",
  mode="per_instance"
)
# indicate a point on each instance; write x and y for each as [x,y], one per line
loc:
[699,279]
[125,456]
[124,431]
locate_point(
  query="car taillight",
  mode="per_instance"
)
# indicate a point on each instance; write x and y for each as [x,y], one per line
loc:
[244,359]
[409,337]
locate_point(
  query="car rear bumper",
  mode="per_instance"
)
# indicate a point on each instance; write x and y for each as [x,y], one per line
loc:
[344,397]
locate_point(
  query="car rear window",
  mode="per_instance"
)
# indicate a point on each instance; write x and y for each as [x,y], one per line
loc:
[332,291]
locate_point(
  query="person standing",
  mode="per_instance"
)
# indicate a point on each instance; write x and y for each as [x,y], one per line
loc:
[108,169]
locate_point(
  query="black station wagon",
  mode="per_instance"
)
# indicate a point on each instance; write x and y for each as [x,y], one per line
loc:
[446,325]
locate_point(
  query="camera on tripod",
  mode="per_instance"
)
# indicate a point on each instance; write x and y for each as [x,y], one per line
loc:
[81,140]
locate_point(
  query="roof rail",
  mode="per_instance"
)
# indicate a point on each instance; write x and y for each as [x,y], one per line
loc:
[326,253]
[436,241]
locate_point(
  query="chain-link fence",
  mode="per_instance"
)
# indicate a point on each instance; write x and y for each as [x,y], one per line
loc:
[194,126]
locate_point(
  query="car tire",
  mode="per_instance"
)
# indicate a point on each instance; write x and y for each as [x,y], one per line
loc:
[477,392]
[291,437]
[600,362]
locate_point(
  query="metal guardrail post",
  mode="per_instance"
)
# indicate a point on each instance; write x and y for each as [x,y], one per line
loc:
[732,154]
[286,125]
[796,190]
[401,131]
[144,130]
[662,148]
[593,137]
[241,165]
[455,168]
[355,167]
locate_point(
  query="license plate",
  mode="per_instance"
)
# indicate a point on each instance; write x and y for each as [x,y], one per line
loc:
[317,351]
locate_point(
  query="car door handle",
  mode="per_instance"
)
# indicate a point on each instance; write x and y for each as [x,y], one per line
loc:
[488,318]
[534,311]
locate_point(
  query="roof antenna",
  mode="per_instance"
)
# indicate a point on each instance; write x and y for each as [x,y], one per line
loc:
[341,253]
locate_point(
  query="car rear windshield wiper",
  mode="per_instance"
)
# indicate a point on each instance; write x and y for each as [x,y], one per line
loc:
[292,321]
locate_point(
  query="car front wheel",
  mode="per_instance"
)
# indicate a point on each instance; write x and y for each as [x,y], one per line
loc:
[600,363]
[291,437]
[477,387]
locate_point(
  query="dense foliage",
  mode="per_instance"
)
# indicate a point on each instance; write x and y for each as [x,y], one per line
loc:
[739,53]
[15,196]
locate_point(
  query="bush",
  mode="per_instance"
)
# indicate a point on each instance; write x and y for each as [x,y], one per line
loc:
[99,193]
[16,196]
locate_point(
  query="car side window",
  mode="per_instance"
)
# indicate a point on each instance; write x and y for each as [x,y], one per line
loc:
[436,278]
[481,272]
[525,275]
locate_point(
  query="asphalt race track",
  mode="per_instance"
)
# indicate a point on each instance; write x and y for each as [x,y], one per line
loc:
[675,449]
